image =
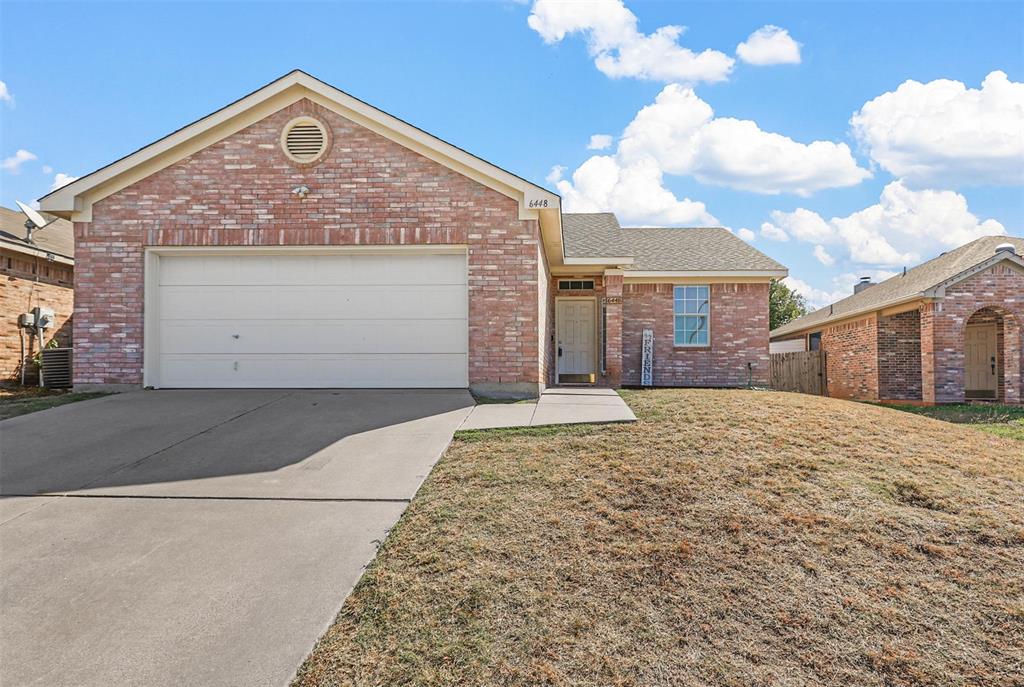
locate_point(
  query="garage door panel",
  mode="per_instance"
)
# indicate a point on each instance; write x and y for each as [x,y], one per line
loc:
[345,320]
[298,302]
[342,371]
[291,336]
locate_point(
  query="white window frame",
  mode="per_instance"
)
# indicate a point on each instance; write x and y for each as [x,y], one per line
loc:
[675,315]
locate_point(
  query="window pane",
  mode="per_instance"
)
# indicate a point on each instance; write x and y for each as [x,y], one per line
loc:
[677,306]
[699,338]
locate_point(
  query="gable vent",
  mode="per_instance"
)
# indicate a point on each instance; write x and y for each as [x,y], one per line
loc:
[304,139]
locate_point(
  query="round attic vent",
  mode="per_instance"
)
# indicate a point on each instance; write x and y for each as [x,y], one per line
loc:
[304,139]
[1006,247]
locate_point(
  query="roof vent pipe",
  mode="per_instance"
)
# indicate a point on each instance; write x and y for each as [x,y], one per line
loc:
[864,283]
[1006,247]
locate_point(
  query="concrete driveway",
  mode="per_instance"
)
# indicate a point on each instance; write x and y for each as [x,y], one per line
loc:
[199,537]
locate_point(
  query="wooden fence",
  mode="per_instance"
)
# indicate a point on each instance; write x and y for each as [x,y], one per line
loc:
[802,371]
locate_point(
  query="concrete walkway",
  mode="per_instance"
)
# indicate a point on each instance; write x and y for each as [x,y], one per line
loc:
[556,406]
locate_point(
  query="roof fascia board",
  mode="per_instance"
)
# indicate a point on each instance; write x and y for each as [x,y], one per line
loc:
[939,290]
[764,274]
[598,261]
[16,247]
[76,199]
[852,315]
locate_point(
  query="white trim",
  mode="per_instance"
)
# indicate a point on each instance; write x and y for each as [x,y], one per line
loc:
[75,197]
[774,274]
[596,361]
[436,249]
[598,261]
[706,316]
[151,282]
[939,290]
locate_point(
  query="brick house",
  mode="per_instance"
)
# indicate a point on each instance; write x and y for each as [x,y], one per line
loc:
[33,273]
[946,331]
[300,237]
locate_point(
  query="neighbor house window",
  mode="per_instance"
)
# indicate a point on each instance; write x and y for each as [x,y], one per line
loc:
[691,310]
[576,285]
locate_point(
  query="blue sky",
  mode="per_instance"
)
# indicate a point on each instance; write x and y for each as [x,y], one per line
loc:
[930,166]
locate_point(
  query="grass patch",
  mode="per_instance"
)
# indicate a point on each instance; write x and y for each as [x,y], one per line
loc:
[726,538]
[994,418]
[22,401]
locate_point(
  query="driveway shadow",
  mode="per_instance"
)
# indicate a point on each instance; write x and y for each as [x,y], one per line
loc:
[301,444]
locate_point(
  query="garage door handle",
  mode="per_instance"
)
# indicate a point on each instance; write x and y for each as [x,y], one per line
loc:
[234,336]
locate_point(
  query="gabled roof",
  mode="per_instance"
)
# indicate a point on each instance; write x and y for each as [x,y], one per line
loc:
[77,197]
[56,238]
[922,281]
[664,250]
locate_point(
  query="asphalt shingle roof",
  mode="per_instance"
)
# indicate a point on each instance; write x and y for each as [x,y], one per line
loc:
[695,249]
[904,286]
[57,238]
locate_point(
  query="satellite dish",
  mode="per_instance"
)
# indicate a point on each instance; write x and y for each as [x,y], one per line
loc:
[35,220]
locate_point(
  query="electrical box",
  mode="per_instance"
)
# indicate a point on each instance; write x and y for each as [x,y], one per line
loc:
[45,317]
[27,319]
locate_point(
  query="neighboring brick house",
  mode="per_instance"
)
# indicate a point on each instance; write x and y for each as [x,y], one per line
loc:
[946,331]
[300,237]
[36,273]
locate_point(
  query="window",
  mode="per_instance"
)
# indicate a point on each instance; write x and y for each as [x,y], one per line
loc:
[576,285]
[814,342]
[691,308]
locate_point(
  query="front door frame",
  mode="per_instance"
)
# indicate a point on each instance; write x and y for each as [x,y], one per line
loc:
[994,327]
[596,344]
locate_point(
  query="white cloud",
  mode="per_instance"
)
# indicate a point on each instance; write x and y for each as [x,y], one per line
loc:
[841,286]
[770,231]
[635,193]
[599,142]
[619,48]
[61,179]
[903,228]
[13,163]
[769,45]
[746,234]
[679,130]
[823,256]
[942,132]
[555,175]
[5,95]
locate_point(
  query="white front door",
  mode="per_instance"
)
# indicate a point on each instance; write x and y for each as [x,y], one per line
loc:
[980,360]
[574,324]
[278,319]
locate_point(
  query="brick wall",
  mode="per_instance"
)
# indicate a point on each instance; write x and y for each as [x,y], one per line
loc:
[27,282]
[851,359]
[1000,288]
[739,335]
[899,356]
[367,191]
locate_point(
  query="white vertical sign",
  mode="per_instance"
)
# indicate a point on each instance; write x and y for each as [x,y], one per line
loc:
[647,360]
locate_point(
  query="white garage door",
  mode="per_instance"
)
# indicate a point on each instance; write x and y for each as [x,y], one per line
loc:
[342,320]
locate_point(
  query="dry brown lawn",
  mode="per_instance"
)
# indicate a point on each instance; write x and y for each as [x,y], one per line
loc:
[727,538]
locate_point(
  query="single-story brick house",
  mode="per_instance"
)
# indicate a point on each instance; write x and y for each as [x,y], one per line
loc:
[946,331]
[34,273]
[300,237]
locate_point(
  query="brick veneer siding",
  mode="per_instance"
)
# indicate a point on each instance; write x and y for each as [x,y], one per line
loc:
[739,335]
[851,359]
[27,282]
[1001,288]
[367,191]
[899,356]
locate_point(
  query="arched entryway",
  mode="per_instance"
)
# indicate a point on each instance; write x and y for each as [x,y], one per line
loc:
[992,356]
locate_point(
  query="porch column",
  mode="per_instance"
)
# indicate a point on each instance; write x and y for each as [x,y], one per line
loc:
[613,326]
[1012,342]
[928,353]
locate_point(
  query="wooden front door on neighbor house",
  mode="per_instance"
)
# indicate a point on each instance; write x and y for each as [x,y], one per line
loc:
[574,325]
[980,361]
